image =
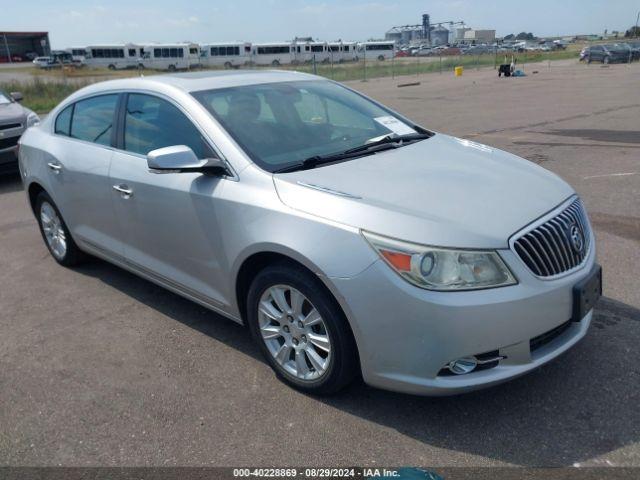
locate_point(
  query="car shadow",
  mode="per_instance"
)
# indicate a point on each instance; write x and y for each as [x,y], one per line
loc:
[10,182]
[576,408]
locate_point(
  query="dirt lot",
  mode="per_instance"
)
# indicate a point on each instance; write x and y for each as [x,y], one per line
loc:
[98,367]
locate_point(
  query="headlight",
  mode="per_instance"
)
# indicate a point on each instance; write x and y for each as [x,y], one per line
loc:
[32,119]
[435,268]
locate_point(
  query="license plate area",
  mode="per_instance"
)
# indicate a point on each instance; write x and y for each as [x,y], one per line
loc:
[586,293]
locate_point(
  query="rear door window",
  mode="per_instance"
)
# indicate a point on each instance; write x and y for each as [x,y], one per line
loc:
[93,119]
[63,121]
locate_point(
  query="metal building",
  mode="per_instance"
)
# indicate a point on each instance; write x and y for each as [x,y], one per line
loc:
[439,36]
[23,46]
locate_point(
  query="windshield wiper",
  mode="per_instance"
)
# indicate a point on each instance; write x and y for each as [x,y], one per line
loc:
[377,144]
[389,138]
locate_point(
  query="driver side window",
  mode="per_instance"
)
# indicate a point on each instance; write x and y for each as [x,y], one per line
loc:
[152,123]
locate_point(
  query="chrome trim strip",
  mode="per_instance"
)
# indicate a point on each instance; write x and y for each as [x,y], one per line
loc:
[328,190]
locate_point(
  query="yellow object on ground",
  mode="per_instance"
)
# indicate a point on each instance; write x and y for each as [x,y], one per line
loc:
[458,71]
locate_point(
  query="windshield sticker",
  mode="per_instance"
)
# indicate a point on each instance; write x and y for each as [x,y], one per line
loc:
[395,125]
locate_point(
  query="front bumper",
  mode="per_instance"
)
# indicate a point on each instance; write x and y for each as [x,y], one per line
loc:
[406,335]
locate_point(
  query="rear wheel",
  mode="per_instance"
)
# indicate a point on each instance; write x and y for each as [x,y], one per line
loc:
[301,330]
[55,233]
[605,60]
[381,58]
[227,65]
[111,66]
[275,63]
[172,68]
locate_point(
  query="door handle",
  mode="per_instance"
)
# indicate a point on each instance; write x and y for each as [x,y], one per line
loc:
[54,167]
[124,190]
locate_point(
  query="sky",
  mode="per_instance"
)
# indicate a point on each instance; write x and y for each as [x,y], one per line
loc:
[80,23]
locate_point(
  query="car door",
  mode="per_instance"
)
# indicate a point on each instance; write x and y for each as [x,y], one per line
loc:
[79,171]
[597,53]
[168,220]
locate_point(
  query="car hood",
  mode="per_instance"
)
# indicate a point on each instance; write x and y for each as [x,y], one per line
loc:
[13,111]
[440,191]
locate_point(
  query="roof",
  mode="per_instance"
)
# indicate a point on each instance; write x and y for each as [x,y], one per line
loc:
[196,81]
[24,34]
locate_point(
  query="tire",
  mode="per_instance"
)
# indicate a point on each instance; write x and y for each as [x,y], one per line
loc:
[321,372]
[275,63]
[605,60]
[228,65]
[171,68]
[381,58]
[72,255]
[588,59]
[111,66]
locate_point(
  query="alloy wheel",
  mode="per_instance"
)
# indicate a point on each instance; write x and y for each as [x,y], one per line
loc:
[53,230]
[294,332]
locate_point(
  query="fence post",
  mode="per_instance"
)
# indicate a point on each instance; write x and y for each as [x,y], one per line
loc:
[315,68]
[364,62]
[331,52]
[393,67]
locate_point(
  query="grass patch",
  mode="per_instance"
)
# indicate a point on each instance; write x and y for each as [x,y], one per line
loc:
[41,96]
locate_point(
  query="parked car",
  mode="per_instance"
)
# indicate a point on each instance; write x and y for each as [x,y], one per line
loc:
[41,61]
[14,120]
[349,239]
[635,50]
[613,53]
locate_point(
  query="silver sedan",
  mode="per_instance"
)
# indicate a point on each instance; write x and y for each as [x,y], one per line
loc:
[349,239]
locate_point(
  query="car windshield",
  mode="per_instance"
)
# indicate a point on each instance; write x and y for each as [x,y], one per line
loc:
[4,98]
[282,124]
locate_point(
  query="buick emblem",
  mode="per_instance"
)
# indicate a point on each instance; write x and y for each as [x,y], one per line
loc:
[576,238]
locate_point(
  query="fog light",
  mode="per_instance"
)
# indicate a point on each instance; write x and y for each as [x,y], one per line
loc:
[463,365]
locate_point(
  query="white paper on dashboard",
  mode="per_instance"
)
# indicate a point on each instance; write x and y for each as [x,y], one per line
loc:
[395,125]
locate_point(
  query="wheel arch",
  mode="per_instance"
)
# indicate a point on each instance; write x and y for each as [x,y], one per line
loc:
[33,190]
[258,260]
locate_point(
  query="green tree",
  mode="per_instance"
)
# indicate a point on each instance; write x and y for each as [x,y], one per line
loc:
[632,32]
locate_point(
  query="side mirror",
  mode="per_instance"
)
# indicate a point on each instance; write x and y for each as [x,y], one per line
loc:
[180,159]
[17,96]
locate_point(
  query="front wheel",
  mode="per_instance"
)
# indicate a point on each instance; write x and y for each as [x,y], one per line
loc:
[55,233]
[275,63]
[605,60]
[301,330]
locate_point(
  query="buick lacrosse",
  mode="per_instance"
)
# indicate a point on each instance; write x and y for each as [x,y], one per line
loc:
[350,240]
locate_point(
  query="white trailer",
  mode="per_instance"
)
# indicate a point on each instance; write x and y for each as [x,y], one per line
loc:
[274,54]
[170,56]
[377,50]
[305,51]
[79,54]
[227,55]
[342,51]
[114,57]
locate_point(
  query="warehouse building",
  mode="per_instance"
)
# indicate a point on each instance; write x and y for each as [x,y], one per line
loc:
[23,46]
[479,36]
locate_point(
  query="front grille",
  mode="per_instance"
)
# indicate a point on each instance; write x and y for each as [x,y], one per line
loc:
[8,126]
[541,340]
[8,142]
[558,245]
